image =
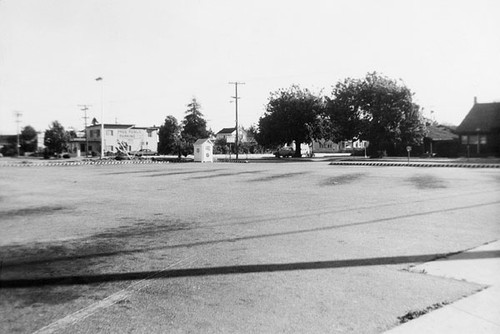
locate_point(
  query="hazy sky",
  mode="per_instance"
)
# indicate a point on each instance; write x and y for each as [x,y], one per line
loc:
[155,55]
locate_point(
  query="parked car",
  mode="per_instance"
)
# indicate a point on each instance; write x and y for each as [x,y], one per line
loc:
[123,156]
[144,151]
[285,152]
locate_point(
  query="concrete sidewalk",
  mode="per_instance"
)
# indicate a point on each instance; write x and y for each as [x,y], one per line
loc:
[479,313]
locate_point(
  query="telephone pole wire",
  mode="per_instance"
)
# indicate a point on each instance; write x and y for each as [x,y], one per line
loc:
[236,104]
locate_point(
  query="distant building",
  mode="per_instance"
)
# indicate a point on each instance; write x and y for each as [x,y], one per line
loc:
[440,141]
[76,145]
[229,134]
[352,145]
[480,130]
[40,140]
[324,146]
[119,137]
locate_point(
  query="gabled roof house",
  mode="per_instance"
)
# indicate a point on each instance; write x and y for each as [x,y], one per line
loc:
[230,135]
[480,130]
[440,141]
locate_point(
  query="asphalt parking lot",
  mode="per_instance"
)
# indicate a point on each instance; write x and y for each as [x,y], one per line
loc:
[274,247]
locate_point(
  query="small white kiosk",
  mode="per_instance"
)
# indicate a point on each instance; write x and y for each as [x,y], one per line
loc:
[203,150]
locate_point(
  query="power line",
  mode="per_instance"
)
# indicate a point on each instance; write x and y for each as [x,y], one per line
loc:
[235,83]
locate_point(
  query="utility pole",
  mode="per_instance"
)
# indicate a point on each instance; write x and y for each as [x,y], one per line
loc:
[84,108]
[18,114]
[236,104]
[102,115]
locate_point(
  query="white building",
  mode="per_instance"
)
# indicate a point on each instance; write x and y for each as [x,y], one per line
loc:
[126,136]
[351,145]
[40,140]
[203,150]
[324,146]
[229,134]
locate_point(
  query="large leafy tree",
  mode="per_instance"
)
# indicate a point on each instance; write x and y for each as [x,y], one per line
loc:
[194,126]
[28,139]
[292,114]
[377,109]
[56,138]
[169,136]
[346,117]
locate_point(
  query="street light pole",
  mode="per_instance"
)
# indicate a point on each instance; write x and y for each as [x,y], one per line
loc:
[102,116]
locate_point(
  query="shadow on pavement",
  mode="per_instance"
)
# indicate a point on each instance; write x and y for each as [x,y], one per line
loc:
[237,269]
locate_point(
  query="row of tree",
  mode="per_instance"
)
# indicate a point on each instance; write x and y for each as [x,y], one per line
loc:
[178,138]
[374,108]
[55,140]
[27,142]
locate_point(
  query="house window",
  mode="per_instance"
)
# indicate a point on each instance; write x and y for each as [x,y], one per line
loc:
[109,132]
[473,140]
[464,140]
[482,140]
[150,134]
[197,150]
[109,148]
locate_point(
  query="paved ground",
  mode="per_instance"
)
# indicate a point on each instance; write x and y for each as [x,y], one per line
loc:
[289,247]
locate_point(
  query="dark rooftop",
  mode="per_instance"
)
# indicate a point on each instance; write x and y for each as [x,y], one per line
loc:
[483,117]
[440,132]
[227,130]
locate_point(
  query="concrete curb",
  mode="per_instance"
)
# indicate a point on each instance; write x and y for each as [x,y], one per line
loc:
[477,313]
[84,163]
[414,164]
[232,160]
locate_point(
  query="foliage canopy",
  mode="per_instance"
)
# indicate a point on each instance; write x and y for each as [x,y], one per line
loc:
[56,138]
[377,109]
[292,114]
[28,139]
[169,136]
[194,125]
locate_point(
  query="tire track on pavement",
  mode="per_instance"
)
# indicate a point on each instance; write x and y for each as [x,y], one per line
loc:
[80,315]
